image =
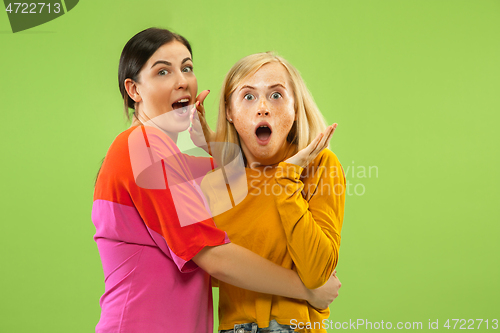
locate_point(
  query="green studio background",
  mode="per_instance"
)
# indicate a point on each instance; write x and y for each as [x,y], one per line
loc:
[414,86]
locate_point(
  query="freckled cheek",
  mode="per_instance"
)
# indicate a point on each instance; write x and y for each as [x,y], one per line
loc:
[283,129]
[244,129]
[284,121]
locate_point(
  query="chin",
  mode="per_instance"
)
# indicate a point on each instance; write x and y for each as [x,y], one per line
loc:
[265,154]
[180,128]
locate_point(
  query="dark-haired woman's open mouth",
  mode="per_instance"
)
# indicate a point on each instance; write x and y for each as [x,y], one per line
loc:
[181,106]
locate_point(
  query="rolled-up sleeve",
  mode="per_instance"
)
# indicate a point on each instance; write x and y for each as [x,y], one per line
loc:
[312,212]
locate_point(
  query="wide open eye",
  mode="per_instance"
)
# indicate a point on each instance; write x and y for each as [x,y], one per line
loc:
[187,69]
[163,72]
[249,97]
[275,95]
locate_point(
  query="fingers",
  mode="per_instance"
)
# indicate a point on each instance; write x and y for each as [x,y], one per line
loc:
[314,144]
[200,99]
[326,138]
[192,115]
[328,134]
[320,142]
[195,121]
[334,127]
[200,108]
[309,153]
[192,111]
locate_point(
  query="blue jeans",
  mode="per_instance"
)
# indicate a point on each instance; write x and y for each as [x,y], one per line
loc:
[274,327]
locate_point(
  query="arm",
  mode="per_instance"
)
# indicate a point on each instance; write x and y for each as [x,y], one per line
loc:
[177,214]
[312,224]
[231,263]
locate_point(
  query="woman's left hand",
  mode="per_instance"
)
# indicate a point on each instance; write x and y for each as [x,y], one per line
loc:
[323,296]
[200,132]
[309,153]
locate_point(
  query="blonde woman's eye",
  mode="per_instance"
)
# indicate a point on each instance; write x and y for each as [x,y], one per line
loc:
[275,95]
[187,69]
[249,97]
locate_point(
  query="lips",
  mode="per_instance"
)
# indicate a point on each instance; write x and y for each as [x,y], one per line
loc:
[263,132]
[180,103]
[180,106]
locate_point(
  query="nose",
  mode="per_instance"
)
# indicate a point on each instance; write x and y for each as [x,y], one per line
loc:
[182,82]
[262,109]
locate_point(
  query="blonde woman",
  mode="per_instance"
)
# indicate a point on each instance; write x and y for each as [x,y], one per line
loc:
[293,212]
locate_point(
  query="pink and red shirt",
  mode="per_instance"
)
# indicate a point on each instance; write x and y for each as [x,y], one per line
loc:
[151,219]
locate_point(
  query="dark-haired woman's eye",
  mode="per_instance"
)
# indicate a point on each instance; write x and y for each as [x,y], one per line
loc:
[275,95]
[249,97]
[163,72]
[187,69]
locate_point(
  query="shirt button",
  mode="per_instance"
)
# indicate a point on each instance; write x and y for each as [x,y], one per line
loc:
[240,330]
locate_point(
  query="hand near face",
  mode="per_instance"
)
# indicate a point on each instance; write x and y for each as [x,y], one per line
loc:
[323,296]
[200,132]
[309,153]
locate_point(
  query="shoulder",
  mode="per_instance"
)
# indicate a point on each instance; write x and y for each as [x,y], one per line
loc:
[115,172]
[326,157]
[119,146]
[121,140]
[123,136]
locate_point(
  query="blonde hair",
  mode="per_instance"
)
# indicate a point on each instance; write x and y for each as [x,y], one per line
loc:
[310,122]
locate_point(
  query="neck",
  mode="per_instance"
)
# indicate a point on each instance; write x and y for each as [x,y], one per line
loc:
[286,151]
[137,122]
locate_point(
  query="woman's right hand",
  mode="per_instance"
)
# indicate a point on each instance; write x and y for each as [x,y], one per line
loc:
[201,133]
[309,153]
[322,297]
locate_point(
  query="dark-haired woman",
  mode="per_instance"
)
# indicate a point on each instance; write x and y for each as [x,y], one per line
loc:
[152,229]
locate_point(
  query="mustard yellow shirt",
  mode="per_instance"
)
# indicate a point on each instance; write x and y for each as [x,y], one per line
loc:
[293,217]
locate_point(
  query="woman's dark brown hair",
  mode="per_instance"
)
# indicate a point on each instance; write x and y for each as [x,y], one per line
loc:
[137,52]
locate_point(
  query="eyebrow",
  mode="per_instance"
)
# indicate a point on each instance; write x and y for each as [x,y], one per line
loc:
[169,63]
[277,85]
[270,87]
[247,86]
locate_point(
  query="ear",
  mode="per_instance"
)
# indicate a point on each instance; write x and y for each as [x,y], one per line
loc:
[228,113]
[132,90]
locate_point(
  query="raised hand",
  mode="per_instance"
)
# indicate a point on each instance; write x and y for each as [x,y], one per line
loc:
[200,132]
[309,153]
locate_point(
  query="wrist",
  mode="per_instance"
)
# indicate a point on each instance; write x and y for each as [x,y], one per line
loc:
[289,170]
[308,295]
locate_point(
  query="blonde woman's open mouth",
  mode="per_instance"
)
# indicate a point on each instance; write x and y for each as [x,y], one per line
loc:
[263,132]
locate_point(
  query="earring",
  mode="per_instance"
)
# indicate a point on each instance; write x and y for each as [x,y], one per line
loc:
[230,120]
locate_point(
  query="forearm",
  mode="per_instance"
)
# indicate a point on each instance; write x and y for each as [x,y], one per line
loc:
[312,227]
[240,267]
[313,252]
